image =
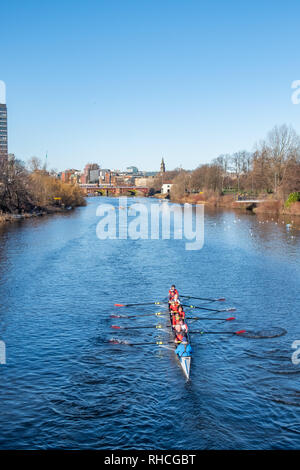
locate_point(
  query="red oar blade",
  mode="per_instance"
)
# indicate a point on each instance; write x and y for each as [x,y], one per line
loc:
[116,327]
[240,332]
[230,318]
[119,305]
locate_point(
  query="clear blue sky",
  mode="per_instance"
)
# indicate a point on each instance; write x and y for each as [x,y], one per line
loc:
[125,82]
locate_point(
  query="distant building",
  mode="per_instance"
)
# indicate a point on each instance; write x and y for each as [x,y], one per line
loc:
[94,176]
[132,169]
[166,188]
[102,173]
[150,173]
[70,176]
[3,132]
[83,179]
[162,166]
[141,182]
[92,171]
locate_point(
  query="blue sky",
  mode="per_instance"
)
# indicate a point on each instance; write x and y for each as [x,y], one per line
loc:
[125,82]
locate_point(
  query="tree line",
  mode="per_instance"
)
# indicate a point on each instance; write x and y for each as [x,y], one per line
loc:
[273,168]
[30,187]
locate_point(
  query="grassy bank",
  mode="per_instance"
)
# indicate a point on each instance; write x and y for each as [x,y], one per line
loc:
[228,201]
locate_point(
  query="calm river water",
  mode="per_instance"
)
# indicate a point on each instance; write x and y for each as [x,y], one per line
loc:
[62,387]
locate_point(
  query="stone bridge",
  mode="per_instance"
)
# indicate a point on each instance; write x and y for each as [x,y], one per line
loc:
[107,190]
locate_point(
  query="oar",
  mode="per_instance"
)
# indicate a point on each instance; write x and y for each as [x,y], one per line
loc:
[116,327]
[144,303]
[139,315]
[209,318]
[222,299]
[166,313]
[240,332]
[120,341]
[210,309]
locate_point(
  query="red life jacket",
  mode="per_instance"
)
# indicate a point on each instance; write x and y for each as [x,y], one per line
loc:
[174,321]
[182,315]
[172,293]
[179,336]
[174,307]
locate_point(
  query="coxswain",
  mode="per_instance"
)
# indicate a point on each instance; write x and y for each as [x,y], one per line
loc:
[184,348]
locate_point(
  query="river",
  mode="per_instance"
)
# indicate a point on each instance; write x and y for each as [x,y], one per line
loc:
[62,387]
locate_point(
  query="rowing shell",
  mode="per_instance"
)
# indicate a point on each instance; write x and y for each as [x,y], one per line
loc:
[184,361]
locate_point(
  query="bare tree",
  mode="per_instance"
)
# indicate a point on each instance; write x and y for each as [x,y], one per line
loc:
[283,147]
[35,164]
[15,195]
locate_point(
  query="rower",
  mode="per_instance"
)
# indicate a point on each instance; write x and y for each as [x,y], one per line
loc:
[172,292]
[175,319]
[179,335]
[174,306]
[183,325]
[181,312]
[181,329]
[184,348]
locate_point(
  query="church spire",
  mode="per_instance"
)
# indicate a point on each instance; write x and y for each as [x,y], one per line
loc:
[162,166]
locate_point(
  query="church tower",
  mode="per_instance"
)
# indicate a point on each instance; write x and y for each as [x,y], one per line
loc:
[162,166]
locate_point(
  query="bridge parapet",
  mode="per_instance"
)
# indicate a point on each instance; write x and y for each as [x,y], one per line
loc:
[106,190]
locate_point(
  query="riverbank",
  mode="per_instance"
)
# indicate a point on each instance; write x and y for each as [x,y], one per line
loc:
[229,201]
[7,218]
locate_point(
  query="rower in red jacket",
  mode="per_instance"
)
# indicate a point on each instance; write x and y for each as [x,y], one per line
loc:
[172,292]
[174,305]
[180,336]
[181,312]
[175,319]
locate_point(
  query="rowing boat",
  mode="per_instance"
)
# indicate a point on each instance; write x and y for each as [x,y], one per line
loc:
[184,361]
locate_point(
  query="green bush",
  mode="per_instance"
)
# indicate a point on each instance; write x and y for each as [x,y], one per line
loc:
[293,197]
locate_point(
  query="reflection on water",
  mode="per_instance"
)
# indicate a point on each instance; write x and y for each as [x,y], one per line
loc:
[63,387]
